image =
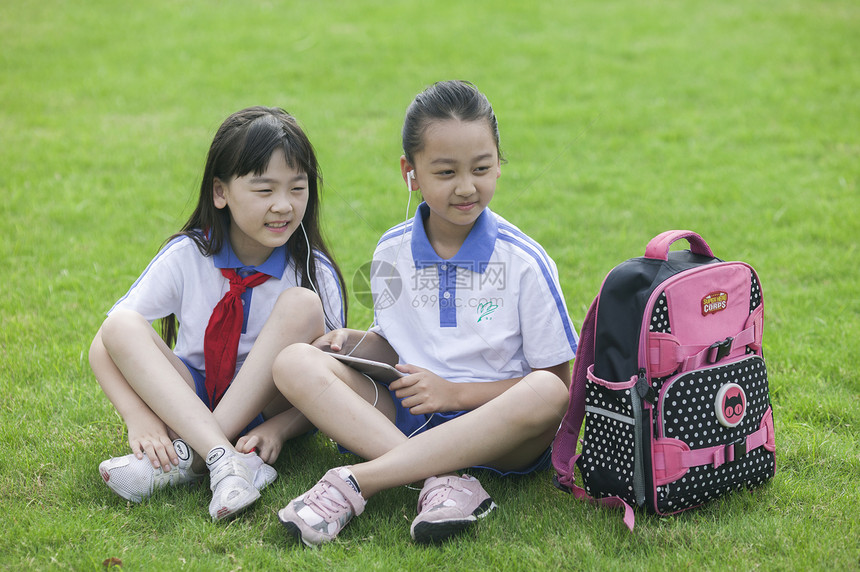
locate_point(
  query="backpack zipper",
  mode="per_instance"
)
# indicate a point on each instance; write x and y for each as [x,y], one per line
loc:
[638,472]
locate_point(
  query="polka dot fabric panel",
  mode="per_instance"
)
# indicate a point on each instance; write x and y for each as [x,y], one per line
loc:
[686,411]
[607,461]
[755,300]
[660,323]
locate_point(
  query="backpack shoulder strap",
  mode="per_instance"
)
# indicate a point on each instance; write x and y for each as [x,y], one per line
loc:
[564,447]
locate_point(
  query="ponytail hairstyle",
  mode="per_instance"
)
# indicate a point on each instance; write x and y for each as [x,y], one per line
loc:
[442,101]
[244,144]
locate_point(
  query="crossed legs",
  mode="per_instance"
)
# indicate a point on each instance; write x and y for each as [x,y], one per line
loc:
[507,433]
[154,392]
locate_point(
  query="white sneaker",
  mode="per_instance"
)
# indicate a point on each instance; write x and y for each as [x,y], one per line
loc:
[136,479]
[236,480]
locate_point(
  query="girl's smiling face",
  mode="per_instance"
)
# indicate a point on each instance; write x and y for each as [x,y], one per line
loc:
[265,209]
[456,171]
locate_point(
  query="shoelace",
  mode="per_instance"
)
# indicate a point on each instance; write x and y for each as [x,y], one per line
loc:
[440,494]
[324,505]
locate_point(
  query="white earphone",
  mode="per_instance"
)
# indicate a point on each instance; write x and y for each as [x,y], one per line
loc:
[410,176]
[308,260]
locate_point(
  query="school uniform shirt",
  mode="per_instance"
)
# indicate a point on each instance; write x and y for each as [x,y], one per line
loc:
[493,311]
[181,281]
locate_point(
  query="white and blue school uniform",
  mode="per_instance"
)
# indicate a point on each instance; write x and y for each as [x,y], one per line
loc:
[182,281]
[493,311]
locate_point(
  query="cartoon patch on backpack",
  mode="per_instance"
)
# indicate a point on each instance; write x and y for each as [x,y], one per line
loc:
[730,405]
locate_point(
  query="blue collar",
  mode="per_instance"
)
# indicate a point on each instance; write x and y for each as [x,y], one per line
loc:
[473,255]
[274,266]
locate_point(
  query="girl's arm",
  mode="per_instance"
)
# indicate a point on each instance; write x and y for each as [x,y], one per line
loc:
[426,392]
[344,341]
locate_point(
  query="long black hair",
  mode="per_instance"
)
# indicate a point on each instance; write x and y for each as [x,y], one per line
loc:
[244,144]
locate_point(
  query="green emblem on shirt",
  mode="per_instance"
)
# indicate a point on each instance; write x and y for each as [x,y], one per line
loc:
[485,309]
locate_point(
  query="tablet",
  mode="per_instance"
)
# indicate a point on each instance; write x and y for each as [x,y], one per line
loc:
[376,370]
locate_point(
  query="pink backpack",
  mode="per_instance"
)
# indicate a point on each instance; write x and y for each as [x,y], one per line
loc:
[671,383]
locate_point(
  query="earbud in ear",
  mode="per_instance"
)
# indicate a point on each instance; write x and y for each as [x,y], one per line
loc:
[410,176]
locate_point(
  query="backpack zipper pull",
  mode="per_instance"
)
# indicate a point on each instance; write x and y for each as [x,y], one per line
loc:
[644,389]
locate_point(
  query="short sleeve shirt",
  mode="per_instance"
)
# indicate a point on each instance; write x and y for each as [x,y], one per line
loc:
[181,281]
[493,311]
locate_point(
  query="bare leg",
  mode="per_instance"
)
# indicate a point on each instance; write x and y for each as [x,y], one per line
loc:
[338,400]
[296,317]
[507,433]
[146,432]
[144,363]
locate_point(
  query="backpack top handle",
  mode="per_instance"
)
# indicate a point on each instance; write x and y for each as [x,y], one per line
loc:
[658,248]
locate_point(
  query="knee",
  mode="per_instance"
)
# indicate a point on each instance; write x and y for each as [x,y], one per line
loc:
[303,308]
[554,393]
[299,302]
[294,367]
[544,401]
[118,325]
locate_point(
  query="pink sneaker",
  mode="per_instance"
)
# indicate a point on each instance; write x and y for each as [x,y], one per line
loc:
[321,513]
[449,505]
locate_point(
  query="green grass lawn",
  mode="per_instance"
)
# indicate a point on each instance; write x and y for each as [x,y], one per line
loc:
[739,120]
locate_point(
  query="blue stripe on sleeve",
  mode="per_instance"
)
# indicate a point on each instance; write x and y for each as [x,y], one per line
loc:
[396,231]
[539,257]
[526,239]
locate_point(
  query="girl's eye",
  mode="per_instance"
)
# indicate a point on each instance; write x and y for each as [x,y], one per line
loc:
[482,169]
